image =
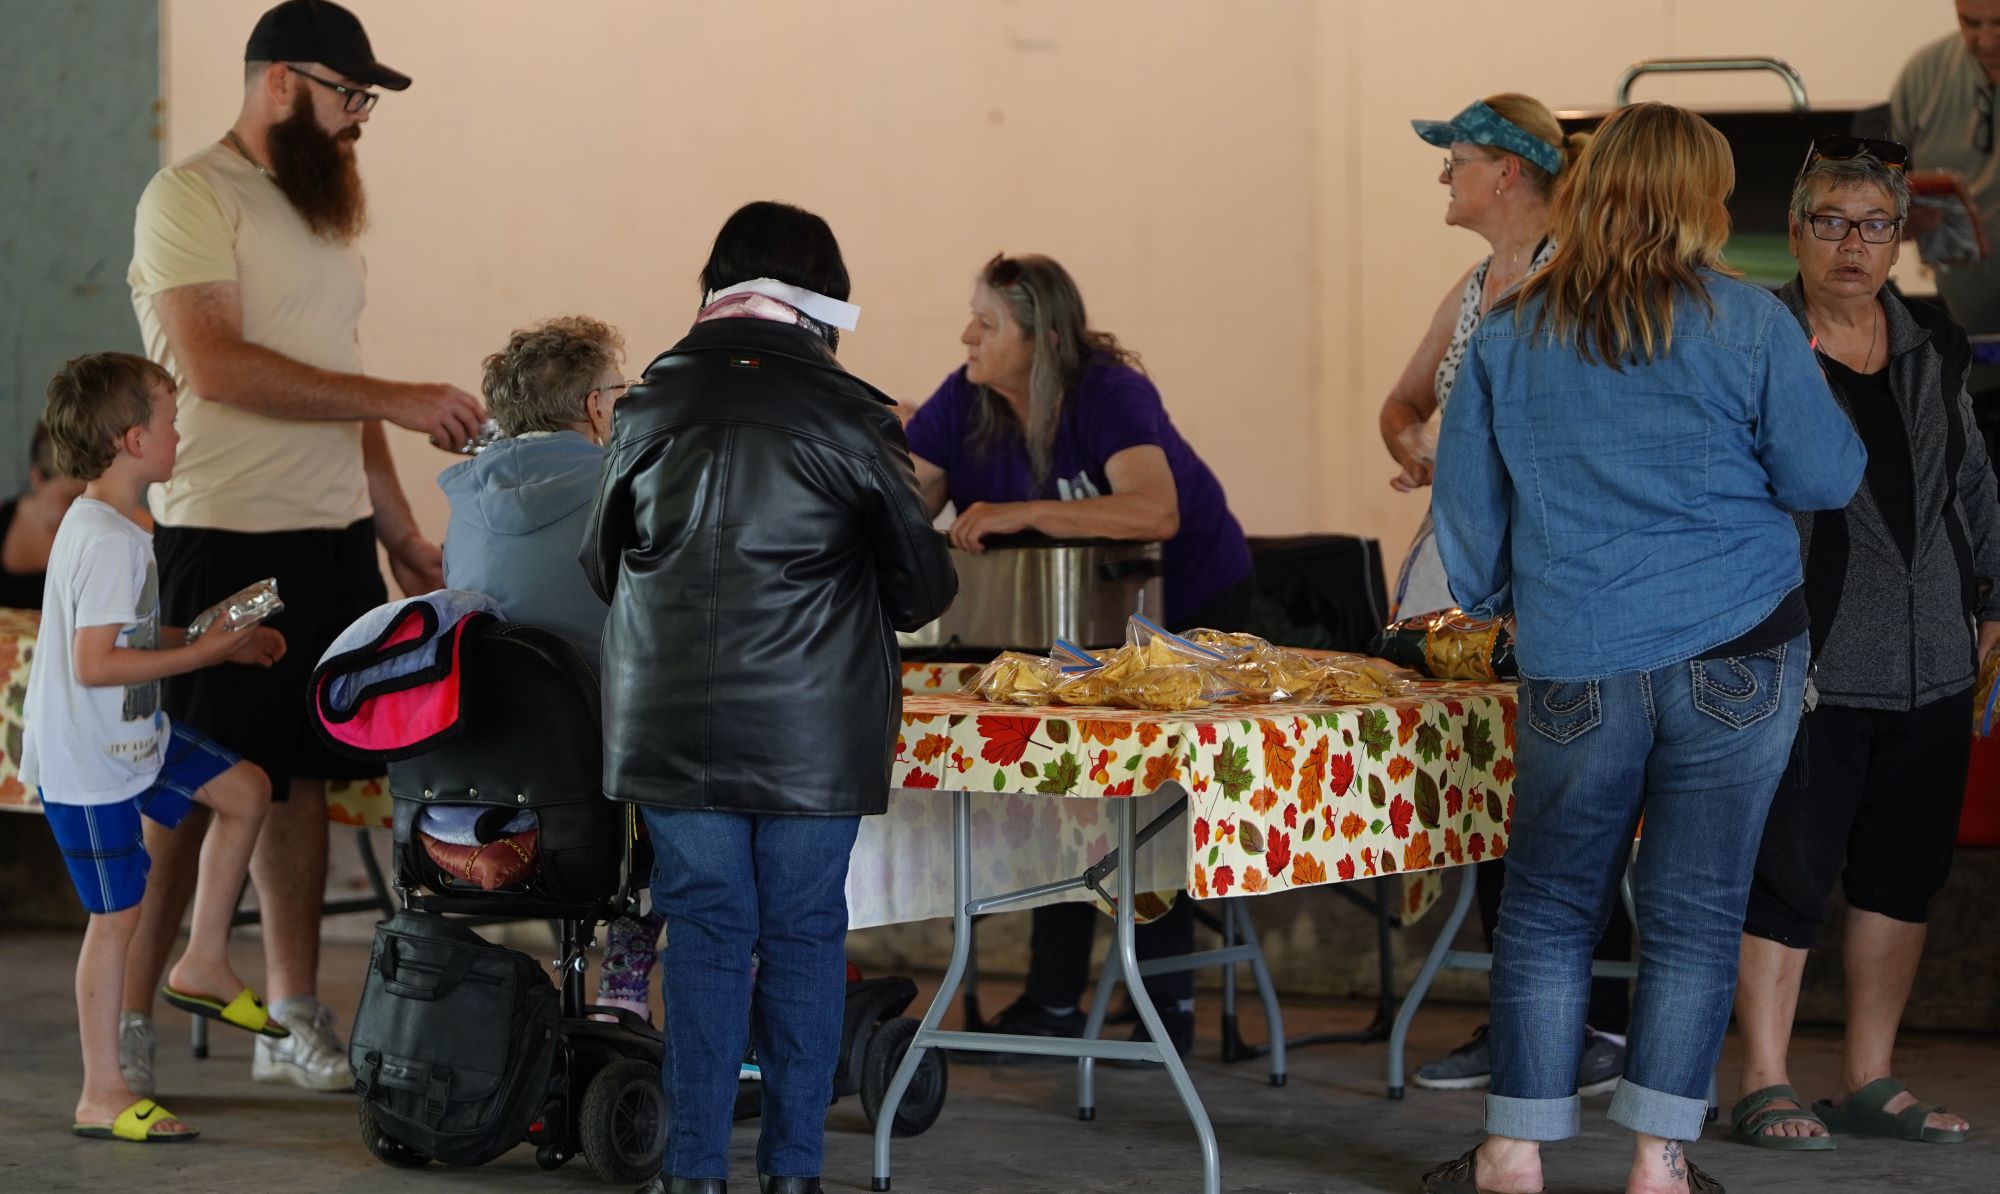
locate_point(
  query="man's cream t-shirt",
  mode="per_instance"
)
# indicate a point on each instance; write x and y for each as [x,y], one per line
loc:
[215,217]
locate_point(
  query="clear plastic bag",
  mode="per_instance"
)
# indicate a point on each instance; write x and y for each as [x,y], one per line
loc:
[1158,670]
[1153,670]
[1016,679]
[1450,645]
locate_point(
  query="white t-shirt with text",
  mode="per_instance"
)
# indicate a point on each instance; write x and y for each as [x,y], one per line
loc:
[85,745]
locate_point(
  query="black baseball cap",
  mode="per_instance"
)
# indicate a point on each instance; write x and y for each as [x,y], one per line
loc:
[320,31]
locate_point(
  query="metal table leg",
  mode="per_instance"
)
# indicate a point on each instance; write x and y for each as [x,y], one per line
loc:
[1439,957]
[1157,1049]
[1267,993]
[961,946]
[1128,959]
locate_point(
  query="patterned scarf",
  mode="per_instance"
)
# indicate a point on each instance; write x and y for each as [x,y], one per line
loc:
[758,306]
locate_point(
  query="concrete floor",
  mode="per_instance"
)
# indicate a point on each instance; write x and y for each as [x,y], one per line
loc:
[1005,1130]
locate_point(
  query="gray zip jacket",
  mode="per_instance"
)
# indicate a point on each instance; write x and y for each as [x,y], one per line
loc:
[1888,634]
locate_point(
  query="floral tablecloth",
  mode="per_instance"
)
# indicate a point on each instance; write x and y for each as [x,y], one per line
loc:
[17,647]
[1280,796]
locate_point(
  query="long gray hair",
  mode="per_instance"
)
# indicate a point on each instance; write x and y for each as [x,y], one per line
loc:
[1048,308]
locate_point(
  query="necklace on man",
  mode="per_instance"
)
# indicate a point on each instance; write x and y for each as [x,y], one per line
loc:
[236,143]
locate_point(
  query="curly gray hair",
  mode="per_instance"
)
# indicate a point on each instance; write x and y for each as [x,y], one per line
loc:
[540,380]
[1838,174]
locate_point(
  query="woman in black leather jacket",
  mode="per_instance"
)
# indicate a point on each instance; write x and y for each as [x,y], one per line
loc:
[759,536]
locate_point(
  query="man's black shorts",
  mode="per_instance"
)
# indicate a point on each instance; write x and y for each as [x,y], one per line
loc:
[327,579]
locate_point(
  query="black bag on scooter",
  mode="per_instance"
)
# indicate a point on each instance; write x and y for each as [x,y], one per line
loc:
[454,1040]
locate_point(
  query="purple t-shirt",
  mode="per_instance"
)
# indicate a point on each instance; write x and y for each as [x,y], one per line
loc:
[1112,408]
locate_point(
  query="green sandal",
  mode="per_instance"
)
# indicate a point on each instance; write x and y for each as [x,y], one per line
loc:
[1753,1114]
[244,1011]
[1862,1115]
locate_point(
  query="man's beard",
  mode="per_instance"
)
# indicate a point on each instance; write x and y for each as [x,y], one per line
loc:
[317,175]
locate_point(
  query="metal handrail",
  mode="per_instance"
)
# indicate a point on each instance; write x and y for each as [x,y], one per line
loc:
[1656,66]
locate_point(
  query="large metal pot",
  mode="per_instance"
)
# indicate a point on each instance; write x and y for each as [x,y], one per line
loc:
[1025,591]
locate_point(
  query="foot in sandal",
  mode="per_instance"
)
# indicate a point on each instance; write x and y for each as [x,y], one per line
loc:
[140,1122]
[1776,1117]
[1885,1107]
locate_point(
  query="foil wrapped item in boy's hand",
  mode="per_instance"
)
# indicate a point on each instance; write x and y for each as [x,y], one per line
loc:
[244,608]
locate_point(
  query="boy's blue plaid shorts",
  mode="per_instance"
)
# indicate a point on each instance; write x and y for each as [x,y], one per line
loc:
[103,845]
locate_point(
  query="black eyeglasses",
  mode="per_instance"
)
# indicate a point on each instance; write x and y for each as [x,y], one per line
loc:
[353,99]
[1874,231]
[1982,135]
[1839,147]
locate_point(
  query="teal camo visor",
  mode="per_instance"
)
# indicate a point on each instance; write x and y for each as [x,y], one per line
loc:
[1481,125]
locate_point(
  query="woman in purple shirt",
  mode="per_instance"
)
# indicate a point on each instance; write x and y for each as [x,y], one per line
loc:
[1051,426]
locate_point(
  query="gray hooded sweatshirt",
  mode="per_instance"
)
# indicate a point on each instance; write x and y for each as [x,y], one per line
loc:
[518,511]
[1896,634]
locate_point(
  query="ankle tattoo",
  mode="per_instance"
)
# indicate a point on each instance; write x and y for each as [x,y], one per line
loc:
[1676,1165]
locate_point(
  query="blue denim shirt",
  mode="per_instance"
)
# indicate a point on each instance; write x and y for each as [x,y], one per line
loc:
[1634,519]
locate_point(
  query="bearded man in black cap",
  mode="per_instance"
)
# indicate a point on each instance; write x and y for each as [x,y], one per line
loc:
[249,285]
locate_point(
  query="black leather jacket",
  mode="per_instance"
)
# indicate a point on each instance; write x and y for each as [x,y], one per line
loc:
[759,535]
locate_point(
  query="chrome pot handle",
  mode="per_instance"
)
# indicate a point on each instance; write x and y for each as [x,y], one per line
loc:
[1656,66]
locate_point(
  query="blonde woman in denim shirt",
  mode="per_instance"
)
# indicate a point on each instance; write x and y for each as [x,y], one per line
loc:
[1627,440]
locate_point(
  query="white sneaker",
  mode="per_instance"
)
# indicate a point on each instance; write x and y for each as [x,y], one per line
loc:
[136,1044]
[314,1056]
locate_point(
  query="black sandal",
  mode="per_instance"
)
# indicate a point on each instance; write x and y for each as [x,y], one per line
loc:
[1457,1177]
[1701,1183]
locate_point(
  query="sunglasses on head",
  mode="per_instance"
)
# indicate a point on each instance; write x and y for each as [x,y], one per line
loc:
[1839,147]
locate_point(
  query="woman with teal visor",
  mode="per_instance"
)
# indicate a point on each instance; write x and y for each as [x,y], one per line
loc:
[1506,152]
[1503,156]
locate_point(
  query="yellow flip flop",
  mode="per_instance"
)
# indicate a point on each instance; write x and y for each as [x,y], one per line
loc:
[141,1123]
[246,1011]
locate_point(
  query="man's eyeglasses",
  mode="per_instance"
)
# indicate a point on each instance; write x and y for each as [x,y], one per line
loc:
[1874,231]
[353,99]
[614,391]
[1839,147]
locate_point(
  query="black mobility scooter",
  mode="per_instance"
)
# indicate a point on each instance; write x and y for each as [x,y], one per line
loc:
[462,1048]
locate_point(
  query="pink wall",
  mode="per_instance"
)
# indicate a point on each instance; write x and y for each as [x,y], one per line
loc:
[1235,186]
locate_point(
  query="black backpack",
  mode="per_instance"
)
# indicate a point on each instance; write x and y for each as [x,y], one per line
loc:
[454,1041]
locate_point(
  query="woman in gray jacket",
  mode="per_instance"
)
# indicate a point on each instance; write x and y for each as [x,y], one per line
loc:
[1900,585]
[518,511]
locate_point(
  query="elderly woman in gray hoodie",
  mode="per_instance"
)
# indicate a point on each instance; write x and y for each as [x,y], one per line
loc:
[518,512]
[1901,589]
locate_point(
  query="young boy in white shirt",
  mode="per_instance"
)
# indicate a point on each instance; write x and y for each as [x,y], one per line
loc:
[99,750]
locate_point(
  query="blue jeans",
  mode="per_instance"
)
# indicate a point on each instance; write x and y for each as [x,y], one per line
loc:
[1697,749]
[730,885]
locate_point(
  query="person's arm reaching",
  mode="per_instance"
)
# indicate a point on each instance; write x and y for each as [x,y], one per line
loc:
[204,328]
[1413,399]
[914,573]
[1143,505]
[99,662]
[1805,442]
[1472,497]
[415,561]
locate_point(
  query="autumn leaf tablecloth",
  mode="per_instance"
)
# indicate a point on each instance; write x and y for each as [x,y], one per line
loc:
[1280,796]
[17,647]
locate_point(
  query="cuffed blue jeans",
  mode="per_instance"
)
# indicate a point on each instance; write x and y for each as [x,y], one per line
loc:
[730,885]
[1696,749]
